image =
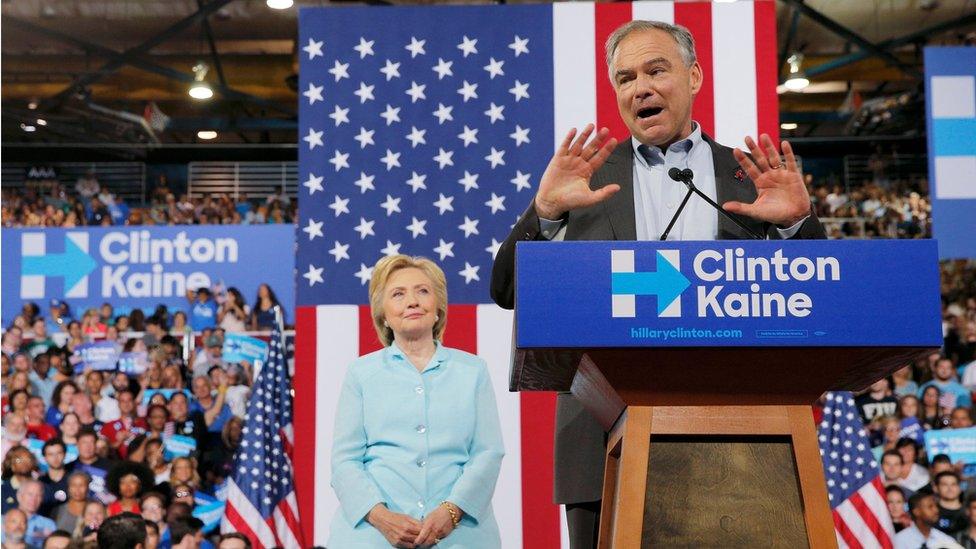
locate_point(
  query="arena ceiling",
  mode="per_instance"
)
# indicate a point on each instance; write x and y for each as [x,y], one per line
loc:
[90,68]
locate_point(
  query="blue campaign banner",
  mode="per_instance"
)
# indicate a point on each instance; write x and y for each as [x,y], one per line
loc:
[240,347]
[728,294]
[958,444]
[208,509]
[142,267]
[98,487]
[175,446]
[950,92]
[98,355]
[133,364]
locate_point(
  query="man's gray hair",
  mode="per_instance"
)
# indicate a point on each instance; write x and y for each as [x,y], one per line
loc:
[682,36]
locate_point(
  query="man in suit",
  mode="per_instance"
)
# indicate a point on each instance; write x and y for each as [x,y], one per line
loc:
[595,190]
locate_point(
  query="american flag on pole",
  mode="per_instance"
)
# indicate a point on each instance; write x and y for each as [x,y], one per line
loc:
[261,495]
[857,496]
[424,131]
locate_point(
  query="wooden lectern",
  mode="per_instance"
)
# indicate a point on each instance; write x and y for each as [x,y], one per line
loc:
[709,446]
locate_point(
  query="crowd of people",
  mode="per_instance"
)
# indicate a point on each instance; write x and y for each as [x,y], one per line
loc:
[930,493]
[897,209]
[156,443]
[51,204]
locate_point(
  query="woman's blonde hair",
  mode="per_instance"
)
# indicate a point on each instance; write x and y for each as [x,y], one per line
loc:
[382,272]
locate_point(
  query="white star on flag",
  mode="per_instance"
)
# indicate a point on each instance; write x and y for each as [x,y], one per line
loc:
[444,249]
[391,205]
[365,92]
[365,137]
[314,274]
[469,181]
[468,91]
[519,45]
[365,182]
[339,70]
[521,181]
[339,251]
[365,47]
[313,49]
[416,182]
[493,248]
[313,183]
[443,113]
[416,137]
[470,272]
[339,160]
[470,226]
[391,70]
[467,46]
[417,227]
[314,228]
[496,158]
[494,68]
[494,112]
[314,139]
[443,158]
[520,91]
[339,205]
[390,248]
[444,203]
[313,93]
[365,228]
[340,115]
[520,135]
[416,92]
[469,135]
[443,68]
[364,274]
[391,159]
[391,114]
[415,47]
[496,203]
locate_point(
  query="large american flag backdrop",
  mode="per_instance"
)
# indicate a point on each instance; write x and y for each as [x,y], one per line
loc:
[424,130]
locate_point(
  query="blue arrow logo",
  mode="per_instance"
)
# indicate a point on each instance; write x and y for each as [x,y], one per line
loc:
[73,265]
[666,283]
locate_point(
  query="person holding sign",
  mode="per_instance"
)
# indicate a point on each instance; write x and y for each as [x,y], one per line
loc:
[417,445]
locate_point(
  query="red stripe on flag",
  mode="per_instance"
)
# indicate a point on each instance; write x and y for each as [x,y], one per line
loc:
[607,18]
[845,532]
[870,519]
[368,340]
[241,525]
[767,100]
[540,516]
[290,519]
[462,328]
[697,16]
[274,531]
[304,417]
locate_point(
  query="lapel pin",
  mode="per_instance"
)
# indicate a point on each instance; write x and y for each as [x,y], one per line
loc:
[739,175]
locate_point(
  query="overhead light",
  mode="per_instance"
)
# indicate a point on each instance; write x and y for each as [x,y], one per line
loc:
[788,126]
[797,80]
[280,4]
[41,122]
[200,89]
[207,134]
[32,105]
[28,128]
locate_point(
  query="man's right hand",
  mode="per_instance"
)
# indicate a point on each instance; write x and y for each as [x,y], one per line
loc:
[398,529]
[565,185]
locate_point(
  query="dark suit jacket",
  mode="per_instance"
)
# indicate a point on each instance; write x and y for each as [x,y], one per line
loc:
[580,440]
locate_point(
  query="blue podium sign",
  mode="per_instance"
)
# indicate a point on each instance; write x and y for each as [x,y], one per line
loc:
[810,293]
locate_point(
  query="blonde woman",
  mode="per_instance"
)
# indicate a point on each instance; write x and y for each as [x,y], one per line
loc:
[417,444]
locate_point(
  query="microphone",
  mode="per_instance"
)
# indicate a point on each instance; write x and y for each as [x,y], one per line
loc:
[687,176]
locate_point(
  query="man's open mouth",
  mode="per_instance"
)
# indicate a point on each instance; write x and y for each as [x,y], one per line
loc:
[649,112]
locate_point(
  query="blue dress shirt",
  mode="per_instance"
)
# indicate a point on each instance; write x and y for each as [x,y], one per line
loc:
[412,439]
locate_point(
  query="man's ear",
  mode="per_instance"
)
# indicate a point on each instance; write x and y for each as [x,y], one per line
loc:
[697,77]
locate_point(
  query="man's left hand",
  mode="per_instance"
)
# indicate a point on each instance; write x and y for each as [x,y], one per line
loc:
[783,198]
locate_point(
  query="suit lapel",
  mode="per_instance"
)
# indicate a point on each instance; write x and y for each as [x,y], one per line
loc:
[728,188]
[619,169]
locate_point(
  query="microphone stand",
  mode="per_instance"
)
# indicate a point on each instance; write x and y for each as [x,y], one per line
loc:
[686,176]
[674,218]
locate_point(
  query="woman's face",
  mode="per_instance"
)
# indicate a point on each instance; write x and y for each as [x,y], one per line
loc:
[78,488]
[19,381]
[67,393]
[891,431]
[179,320]
[907,455]
[182,470]
[896,504]
[909,407]
[263,291]
[156,419]
[19,402]
[931,396]
[152,509]
[94,515]
[409,304]
[22,462]
[70,426]
[129,486]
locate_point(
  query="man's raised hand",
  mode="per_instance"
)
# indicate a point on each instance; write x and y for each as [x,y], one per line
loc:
[565,185]
[783,198]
